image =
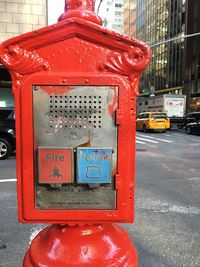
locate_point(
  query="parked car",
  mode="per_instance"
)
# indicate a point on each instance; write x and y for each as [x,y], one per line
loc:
[7,133]
[190,117]
[157,121]
[193,127]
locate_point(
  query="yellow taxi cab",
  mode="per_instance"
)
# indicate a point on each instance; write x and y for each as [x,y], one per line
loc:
[157,121]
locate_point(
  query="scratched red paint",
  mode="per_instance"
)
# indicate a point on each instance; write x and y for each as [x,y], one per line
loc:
[57,89]
[112,106]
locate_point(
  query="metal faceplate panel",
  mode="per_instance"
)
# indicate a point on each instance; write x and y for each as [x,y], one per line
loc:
[75,117]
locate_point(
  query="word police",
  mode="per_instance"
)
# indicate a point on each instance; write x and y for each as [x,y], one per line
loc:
[94,156]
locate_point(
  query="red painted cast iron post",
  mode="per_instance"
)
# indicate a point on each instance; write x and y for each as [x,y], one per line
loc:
[75,85]
[80,8]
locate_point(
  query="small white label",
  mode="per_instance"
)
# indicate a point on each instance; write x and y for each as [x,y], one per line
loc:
[2,104]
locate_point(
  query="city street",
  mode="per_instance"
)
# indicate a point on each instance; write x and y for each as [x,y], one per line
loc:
[75,75]
[166,231]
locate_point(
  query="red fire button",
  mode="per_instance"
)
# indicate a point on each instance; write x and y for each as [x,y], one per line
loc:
[55,165]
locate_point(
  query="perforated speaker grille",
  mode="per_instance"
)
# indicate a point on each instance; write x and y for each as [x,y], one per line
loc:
[75,111]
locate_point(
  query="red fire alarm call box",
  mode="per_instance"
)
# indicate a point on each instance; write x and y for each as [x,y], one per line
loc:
[75,85]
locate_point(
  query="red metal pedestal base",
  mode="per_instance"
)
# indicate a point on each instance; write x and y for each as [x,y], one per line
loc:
[105,245]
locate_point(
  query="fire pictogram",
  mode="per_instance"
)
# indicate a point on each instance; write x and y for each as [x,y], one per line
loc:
[56,172]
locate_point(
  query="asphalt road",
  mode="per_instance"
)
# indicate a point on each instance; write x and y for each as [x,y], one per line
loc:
[166,231]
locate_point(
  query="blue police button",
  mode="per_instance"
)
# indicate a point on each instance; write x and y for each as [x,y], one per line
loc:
[94,165]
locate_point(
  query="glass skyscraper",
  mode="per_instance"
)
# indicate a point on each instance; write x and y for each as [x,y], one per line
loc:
[171,28]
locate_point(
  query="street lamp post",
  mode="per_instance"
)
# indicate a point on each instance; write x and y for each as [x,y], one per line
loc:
[174,39]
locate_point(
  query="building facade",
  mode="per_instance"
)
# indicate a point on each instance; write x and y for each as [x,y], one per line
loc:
[130,18]
[191,74]
[20,16]
[167,26]
[17,17]
[112,14]
[115,16]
